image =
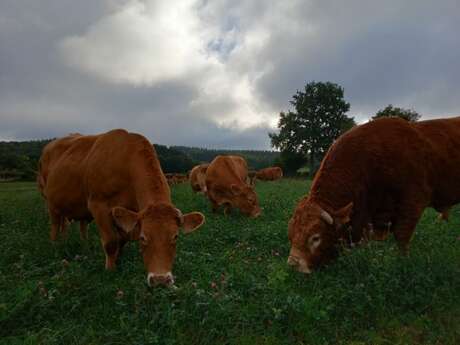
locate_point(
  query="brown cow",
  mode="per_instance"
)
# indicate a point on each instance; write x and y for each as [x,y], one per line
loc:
[116,179]
[414,165]
[174,178]
[269,174]
[181,178]
[170,178]
[226,185]
[251,180]
[198,178]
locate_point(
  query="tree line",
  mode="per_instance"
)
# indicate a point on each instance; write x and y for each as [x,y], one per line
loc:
[19,159]
[256,159]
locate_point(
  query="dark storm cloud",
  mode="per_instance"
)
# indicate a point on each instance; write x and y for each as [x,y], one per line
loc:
[405,53]
[254,56]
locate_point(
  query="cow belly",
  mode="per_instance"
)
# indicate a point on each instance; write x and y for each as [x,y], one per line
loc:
[67,199]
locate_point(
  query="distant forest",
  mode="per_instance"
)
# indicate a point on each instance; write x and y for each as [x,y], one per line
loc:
[19,159]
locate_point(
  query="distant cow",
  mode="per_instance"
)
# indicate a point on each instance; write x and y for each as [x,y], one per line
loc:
[226,185]
[181,178]
[198,178]
[174,178]
[269,174]
[409,165]
[251,180]
[170,178]
[116,179]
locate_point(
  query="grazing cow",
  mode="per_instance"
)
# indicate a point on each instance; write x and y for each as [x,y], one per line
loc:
[116,179]
[174,178]
[198,178]
[51,155]
[269,174]
[170,178]
[226,185]
[387,161]
[181,178]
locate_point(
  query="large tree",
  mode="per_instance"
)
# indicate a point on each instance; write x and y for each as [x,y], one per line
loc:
[390,111]
[317,119]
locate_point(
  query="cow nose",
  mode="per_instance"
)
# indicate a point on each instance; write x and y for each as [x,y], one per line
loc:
[165,279]
[291,261]
[257,213]
[297,265]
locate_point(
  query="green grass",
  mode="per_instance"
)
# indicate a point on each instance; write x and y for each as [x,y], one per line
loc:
[233,284]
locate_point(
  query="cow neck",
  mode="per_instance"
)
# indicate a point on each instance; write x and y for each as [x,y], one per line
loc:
[150,184]
[151,193]
[332,191]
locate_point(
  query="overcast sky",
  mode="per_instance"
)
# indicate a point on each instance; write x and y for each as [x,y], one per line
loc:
[217,73]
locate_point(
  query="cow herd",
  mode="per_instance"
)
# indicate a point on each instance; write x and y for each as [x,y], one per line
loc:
[374,180]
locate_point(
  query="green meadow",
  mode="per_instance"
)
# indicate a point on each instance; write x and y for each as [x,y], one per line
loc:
[233,284]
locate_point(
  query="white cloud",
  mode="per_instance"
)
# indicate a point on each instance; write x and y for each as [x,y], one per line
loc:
[141,43]
[146,43]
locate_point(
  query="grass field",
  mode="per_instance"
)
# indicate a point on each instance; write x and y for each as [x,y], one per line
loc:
[234,286]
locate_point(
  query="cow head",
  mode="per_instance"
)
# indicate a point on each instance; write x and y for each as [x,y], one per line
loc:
[314,234]
[245,198]
[157,227]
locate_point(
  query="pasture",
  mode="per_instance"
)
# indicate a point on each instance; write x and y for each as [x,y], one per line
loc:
[234,286]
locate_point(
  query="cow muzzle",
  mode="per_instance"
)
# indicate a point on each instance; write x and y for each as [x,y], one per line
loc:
[297,262]
[256,213]
[154,279]
[298,265]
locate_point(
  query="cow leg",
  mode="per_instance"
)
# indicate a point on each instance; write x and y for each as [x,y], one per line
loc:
[406,221]
[63,227]
[109,238]
[214,204]
[227,209]
[56,220]
[83,230]
[382,232]
[121,244]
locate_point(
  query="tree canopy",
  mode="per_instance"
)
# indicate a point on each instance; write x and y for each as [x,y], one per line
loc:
[390,111]
[318,118]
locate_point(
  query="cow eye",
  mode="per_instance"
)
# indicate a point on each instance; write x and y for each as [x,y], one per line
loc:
[314,241]
[174,239]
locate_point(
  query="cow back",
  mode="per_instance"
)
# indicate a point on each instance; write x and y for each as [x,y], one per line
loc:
[123,169]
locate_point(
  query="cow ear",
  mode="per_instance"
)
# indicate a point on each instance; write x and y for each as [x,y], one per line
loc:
[125,219]
[235,189]
[192,221]
[343,215]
